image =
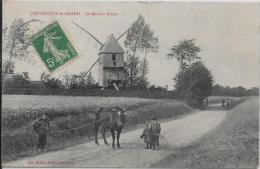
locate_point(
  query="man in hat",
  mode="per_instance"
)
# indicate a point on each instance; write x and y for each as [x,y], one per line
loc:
[155,133]
[41,126]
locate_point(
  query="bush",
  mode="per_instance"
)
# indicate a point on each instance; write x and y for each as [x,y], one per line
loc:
[194,84]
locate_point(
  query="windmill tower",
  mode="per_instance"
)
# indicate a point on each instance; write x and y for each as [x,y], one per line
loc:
[111,61]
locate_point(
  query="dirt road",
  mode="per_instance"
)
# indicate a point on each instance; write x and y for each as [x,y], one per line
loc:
[132,154]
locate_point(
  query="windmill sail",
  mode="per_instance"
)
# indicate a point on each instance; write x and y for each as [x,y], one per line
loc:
[122,34]
[87,32]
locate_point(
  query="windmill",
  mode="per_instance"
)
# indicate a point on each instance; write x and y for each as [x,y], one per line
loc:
[110,59]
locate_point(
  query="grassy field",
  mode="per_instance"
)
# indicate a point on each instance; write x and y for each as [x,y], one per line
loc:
[234,144]
[20,109]
[66,112]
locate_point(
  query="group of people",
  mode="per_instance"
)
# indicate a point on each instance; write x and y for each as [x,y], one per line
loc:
[151,134]
[226,103]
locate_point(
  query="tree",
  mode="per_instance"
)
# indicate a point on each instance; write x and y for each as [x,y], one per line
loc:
[143,83]
[150,44]
[254,91]
[17,41]
[153,87]
[239,91]
[185,52]
[26,76]
[79,81]
[8,67]
[50,82]
[70,81]
[131,71]
[134,35]
[194,84]
[141,37]
[21,80]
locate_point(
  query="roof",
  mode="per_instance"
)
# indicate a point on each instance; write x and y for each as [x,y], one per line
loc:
[111,46]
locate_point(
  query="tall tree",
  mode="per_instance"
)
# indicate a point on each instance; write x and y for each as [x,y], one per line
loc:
[17,40]
[150,44]
[143,83]
[131,70]
[141,37]
[185,52]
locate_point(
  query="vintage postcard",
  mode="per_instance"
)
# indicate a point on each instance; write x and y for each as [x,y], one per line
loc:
[130,84]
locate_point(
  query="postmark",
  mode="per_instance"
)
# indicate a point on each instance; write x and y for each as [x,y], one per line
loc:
[53,46]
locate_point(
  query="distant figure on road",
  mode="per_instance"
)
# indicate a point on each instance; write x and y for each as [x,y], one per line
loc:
[227,103]
[223,102]
[41,126]
[146,135]
[155,133]
[206,102]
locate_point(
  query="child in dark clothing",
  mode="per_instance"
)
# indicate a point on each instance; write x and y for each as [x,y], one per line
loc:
[146,135]
[155,133]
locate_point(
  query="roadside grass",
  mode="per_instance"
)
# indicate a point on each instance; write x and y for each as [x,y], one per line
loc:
[234,144]
[17,136]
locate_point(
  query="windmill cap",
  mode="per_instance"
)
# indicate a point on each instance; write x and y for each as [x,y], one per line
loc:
[111,46]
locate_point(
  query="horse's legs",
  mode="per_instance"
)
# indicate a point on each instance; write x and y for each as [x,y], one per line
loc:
[104,135]
[113,137]
[96,133]
[118,136]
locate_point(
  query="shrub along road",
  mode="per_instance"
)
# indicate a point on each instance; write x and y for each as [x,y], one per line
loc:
[176,133]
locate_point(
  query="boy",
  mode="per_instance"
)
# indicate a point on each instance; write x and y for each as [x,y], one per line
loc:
[147,135]
[42,126]
[155,133]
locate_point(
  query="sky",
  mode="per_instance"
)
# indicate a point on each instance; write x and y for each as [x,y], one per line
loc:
[227,33]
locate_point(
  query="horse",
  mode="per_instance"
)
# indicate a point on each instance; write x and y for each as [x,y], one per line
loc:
[113,120]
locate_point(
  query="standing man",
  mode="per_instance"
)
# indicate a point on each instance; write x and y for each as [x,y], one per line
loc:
[155,133]
[41,126]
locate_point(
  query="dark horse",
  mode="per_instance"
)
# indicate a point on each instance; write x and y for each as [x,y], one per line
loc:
[111,119]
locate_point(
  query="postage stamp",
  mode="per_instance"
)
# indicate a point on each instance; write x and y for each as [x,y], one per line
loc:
[53,46]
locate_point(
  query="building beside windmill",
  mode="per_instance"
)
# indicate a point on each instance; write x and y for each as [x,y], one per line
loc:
[111,63]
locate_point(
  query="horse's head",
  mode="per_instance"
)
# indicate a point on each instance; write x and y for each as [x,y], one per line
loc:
[119,114]
[98,112]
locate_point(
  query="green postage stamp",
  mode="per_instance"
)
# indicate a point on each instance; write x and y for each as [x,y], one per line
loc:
[53,46]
